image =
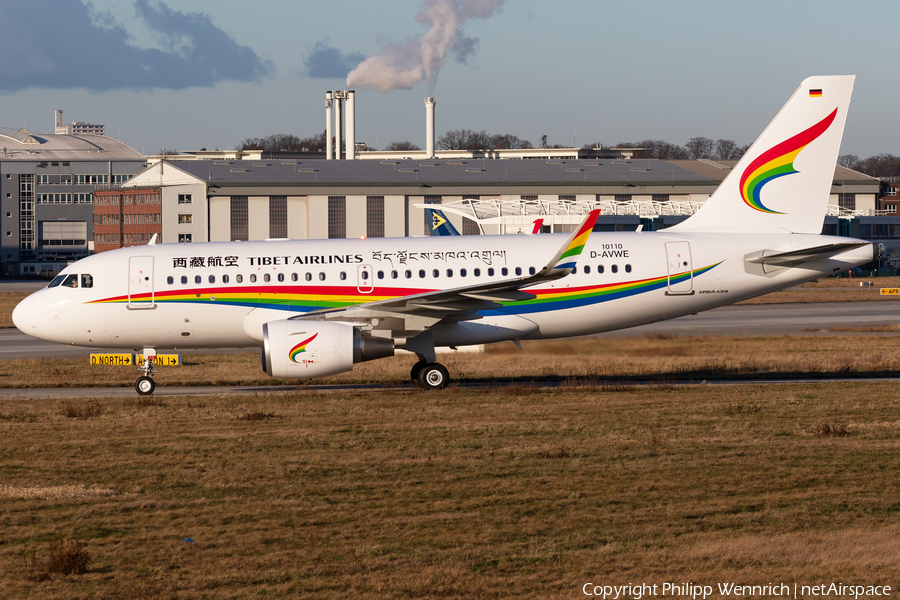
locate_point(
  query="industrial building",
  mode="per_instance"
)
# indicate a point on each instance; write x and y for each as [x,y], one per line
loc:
[47,185]
[316,199]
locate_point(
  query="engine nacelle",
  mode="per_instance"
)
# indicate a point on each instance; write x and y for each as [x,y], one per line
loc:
[296,349]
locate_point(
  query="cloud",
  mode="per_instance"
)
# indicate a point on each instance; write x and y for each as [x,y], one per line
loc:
[401,66]
[325,62]
[66,45]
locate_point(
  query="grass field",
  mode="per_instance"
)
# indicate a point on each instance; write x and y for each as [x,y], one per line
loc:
[524,492]
[587,359]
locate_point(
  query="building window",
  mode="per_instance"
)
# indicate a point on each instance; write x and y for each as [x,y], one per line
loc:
[470,227]
[622,197]
[184,198]
[184,238]
[278,217]
[185,219]
[531,197]
[337,217]
[660,197]
[375,216]
[239,218]
[847,201]
[567,197]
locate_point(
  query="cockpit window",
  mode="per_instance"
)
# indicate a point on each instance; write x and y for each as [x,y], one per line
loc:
[57,280]
[87,281]
[70,281]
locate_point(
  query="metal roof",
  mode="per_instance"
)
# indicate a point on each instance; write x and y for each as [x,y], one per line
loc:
[22,145]
[441,172]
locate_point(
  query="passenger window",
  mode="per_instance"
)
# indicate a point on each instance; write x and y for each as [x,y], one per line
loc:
[628,268]
[518,270]
[393,274]
[449,272]
[224,278]
[87,281]
[476,272]
[198,280]
[408,274]
[614,268]
[281,277]
[267,278]
[343,276]
[435,273]
[170,280]
[462,272]
[71,281]
[365,275]
[239,278]
[308,277]
[253,278]
[422,273]
[587,269]
[504,271]
[380,274]
[531,270]
[184,280]
[294,277]
[321,276]
[212,278]
[599,268]
[491,272]
[57,280]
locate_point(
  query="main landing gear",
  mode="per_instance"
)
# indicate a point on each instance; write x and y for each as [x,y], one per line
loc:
[430,376]
[145,384]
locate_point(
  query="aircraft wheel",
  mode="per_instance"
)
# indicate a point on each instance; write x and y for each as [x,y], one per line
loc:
[144,386]
[416,369]
[434,376]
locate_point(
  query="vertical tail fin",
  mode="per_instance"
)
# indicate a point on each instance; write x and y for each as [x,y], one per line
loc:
[439,224]
[783,181]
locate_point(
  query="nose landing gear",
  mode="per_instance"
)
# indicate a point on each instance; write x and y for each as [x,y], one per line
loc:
[145,384]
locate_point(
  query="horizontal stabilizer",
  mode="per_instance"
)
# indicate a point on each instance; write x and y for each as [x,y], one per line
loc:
[795,258]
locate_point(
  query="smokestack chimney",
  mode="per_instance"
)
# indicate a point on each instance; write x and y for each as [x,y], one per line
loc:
[60,128]
[338,99]
[351,124]
[328,123]
[429,126]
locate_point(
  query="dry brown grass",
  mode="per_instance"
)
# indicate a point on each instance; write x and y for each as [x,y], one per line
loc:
[832,289]
[461,493]
[8,301]
[584,361]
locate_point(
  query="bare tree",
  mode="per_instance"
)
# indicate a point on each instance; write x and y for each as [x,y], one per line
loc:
[464,139]
[727,150]
[509,141]
[284,141]
[400,146]
[700,147]
[848,160]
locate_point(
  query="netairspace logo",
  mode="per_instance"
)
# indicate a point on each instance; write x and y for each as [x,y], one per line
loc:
[725,590]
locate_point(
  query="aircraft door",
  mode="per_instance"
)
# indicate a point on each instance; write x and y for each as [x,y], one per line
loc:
[681,277]
[140,282]
[365,279]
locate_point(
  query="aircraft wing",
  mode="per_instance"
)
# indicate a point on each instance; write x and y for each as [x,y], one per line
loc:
[421,311]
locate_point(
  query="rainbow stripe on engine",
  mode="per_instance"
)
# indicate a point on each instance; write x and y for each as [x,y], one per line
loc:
[301,347]
[306,299]
[569,256]
[777,162]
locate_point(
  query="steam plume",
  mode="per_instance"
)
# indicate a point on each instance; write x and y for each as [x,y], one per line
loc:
[401,66]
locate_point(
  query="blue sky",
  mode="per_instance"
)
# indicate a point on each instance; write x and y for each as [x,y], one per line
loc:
[191,74]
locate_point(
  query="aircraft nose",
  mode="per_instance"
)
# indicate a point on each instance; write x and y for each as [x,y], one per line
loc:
[23,316]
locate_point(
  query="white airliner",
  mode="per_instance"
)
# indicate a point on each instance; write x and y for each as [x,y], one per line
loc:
[316,307]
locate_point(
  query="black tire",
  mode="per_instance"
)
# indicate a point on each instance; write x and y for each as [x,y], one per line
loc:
[434,377]
[416,369]
[144,385]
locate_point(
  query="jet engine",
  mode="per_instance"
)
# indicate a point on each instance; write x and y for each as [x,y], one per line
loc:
[299,349]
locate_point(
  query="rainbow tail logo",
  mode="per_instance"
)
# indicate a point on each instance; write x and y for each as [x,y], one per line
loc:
[301,348]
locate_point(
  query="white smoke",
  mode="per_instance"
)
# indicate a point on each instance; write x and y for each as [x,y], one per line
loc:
[401,66]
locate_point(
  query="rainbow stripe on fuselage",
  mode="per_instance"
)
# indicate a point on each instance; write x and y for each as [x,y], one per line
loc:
[306,299]
[777,162]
